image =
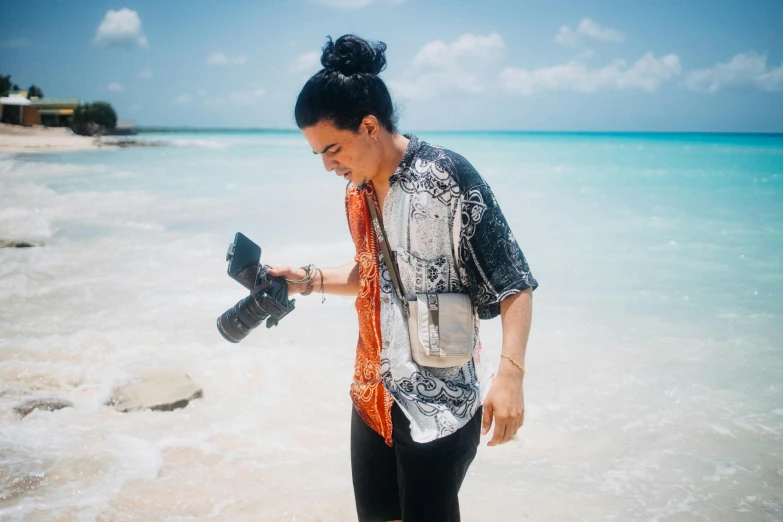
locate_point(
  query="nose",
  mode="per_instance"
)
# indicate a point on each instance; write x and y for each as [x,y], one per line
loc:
[329,164]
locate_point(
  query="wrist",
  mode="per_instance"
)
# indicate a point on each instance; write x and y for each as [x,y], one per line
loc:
[511,368]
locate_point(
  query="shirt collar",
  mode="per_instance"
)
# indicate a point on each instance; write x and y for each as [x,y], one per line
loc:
[407,159]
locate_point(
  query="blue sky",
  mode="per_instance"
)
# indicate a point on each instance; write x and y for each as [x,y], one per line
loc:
[506,65]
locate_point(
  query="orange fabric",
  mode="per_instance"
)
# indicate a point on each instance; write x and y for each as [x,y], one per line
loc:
[370,398]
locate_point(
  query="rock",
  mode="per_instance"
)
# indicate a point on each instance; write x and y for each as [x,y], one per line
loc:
[161,391]
[49,404]
[8,243]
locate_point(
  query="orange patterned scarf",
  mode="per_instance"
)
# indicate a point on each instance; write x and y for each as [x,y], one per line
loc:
[370,398]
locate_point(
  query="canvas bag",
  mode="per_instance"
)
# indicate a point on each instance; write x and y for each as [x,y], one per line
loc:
[441,326]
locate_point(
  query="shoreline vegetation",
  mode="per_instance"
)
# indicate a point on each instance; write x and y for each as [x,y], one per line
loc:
[16,139]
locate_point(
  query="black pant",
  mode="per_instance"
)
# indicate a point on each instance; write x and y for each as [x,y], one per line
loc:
[411,481]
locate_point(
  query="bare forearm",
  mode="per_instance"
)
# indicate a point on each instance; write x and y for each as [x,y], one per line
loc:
[341,280]
[516,314]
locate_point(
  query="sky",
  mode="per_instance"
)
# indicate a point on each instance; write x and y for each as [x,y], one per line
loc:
[609,65]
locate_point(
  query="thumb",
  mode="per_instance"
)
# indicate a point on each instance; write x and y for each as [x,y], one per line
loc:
[486,418]
[279,271]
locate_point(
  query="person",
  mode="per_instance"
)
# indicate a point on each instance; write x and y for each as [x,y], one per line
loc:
[414,430]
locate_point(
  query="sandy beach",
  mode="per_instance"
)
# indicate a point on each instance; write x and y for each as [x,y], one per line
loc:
[15,138]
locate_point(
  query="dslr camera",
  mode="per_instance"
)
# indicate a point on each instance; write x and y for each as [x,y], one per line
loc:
[268,297]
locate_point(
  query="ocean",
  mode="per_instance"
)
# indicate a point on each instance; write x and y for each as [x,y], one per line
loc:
[654,384]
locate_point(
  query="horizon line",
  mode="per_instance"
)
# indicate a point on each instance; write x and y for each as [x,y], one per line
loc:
[181,128]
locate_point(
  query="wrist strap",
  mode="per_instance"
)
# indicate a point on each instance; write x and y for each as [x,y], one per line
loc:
[383,242]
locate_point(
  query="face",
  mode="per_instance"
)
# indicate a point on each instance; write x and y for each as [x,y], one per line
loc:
[351,155]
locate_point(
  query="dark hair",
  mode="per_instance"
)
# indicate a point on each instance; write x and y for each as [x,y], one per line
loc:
[348,87]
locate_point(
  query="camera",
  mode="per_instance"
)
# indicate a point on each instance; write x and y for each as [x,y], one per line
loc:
[268,297]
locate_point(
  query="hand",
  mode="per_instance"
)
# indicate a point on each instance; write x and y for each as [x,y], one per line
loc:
[293,274]
[506,403]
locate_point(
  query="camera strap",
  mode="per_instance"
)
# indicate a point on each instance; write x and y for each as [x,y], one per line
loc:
[391,263]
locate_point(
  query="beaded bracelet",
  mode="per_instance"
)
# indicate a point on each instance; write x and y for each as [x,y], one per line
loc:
[513,361]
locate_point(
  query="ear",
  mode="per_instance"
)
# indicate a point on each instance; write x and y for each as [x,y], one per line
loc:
[370,125]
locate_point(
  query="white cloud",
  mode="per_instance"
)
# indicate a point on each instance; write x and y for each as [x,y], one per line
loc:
[246,96]
[587,29]
[115,87]
[235,98]
[441,55]
[219,58]
[745,70]
[121,28]
[306,62]
[182,100]
[144,74]
[646,74]
[455,66]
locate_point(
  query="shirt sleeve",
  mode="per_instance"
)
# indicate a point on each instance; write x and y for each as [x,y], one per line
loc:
[492,265]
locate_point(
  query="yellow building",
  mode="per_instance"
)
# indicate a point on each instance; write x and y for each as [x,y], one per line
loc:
[54,112]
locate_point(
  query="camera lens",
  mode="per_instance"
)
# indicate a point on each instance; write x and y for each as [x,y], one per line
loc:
[239,320]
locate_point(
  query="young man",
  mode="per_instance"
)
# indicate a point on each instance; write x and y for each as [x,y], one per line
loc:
[415,429]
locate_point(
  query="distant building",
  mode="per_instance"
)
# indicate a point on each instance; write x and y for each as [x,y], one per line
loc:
[52,112]
[12,107]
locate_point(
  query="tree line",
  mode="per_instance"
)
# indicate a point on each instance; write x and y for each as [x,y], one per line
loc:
[6,86]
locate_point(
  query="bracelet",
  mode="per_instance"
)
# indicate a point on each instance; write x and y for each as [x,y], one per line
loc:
[323,292]
[310,271]
[513,361]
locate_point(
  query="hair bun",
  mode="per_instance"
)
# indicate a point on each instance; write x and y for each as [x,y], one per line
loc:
[350,54]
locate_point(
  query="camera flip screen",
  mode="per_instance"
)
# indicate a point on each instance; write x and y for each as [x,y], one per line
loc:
[243,258]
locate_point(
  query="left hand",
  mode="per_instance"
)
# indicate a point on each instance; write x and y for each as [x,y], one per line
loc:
[506,403]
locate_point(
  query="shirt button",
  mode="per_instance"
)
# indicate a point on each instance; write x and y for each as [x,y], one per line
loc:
[385,299]
[385,344]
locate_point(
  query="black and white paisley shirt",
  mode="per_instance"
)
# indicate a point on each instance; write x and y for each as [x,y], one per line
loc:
[449,235]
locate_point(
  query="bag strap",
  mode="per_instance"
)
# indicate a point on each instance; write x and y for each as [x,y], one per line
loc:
[391,263]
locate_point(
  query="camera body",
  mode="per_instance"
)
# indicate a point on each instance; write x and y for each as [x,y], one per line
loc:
[268,299]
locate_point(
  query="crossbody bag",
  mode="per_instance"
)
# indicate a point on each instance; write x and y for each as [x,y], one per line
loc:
[441,326]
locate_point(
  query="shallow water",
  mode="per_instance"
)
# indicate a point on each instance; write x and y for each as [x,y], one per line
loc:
[654,366]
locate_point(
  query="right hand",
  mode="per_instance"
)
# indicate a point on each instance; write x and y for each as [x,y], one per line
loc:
[293,274]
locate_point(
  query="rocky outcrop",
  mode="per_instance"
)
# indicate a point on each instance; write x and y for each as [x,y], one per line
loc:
[9,243]
[47,404]
[161,391]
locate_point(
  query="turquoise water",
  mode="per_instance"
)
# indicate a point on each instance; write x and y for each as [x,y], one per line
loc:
[654,365]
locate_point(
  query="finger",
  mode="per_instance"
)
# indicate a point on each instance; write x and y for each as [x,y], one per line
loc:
[280,270]
[486,418]
[509,432]
[498,434]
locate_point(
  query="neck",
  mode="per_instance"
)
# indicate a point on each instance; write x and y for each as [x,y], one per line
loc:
[393,147]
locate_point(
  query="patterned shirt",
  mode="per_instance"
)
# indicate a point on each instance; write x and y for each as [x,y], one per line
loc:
[448,235]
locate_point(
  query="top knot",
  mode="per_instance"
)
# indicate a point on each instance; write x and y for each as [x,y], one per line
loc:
[350,54]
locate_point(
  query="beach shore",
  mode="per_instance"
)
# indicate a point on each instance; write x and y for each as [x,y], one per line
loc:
[15,138]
